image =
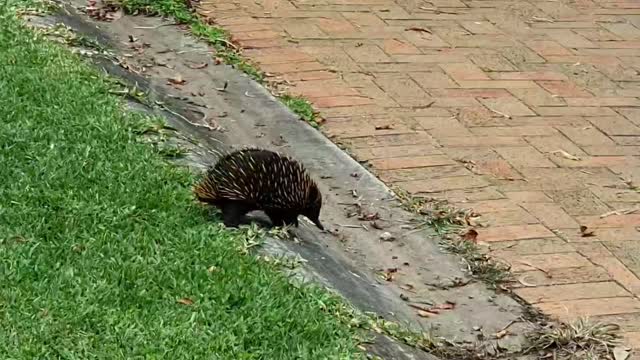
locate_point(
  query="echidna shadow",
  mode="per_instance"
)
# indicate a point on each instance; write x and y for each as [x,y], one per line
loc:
[257,179]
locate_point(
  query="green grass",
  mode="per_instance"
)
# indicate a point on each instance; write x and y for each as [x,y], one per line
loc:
[100,238]
[219,39]
[302,107]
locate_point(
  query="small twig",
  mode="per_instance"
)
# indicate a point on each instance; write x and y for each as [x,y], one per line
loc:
[509,325]
[546,272]
[153,27]
[193,50]
[541,19]
[229,43]
[421,228]
[620,212]
[438,11]
[190,122]
[350,226]
[500,113]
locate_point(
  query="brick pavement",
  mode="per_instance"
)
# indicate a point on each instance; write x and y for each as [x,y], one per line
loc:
[526,111]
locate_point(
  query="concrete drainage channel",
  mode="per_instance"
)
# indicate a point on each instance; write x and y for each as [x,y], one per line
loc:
[239,112]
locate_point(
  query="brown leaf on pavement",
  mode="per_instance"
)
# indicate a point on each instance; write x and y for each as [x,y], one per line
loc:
[407,287]
[448,305]
[177,80]
[103,10]
[585,232]
[418,29]
[388,274]
[423,313]
[470,235]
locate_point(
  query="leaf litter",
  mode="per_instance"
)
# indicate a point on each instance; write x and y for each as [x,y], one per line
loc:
[104,10]
[581,339]
[424,311]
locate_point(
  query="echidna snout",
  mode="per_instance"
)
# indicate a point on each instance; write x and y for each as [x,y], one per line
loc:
[313,212]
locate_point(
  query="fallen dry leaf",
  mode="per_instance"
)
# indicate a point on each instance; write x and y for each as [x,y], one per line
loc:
[407,287]
[423,313]
[185,301]
[473,220]
[116,15]
[159,62]
[418,29]
[566,155]
[621,353]
[177,80]
[218,61]
[585,232]
[198,66]
[386,236]
[369,216]
[448,305]
[546,272]
[103,10]
[224,87]
[522,280]
[388,274]
[470,235]
[420,307]
[434,310]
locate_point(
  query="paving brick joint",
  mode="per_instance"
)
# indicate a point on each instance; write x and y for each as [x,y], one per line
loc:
[526,111]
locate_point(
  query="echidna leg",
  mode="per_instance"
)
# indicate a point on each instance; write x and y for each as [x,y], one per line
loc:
[291,220]
[275,217]
[233,213]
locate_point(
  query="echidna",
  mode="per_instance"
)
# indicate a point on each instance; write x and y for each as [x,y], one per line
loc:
[258,179]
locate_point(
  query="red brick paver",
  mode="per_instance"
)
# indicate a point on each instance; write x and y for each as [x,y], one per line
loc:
[527,111]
